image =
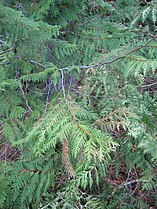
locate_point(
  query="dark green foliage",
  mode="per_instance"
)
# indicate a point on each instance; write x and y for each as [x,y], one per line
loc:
[78,104]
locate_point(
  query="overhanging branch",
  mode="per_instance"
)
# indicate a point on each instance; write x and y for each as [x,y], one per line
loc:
[104,62]
[115,59]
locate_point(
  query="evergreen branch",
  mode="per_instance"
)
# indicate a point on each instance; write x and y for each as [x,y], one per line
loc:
[82,130]
[101,63]
[89,37]
[69,108]
[115,59]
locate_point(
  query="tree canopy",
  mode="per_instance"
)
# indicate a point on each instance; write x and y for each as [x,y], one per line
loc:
[78,104]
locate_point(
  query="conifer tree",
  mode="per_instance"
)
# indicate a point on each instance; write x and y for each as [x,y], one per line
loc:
[78,104]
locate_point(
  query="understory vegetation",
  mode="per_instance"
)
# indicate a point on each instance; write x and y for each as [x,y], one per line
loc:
[78,104]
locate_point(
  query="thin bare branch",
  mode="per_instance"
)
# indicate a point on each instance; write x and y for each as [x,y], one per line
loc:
[149,85]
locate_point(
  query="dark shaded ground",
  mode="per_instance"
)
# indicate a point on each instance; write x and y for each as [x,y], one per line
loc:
[9,153]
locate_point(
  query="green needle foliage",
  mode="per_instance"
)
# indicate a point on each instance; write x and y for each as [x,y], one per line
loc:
[78,104]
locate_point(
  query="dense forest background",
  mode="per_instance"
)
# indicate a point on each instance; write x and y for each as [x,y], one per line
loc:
[78,104]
